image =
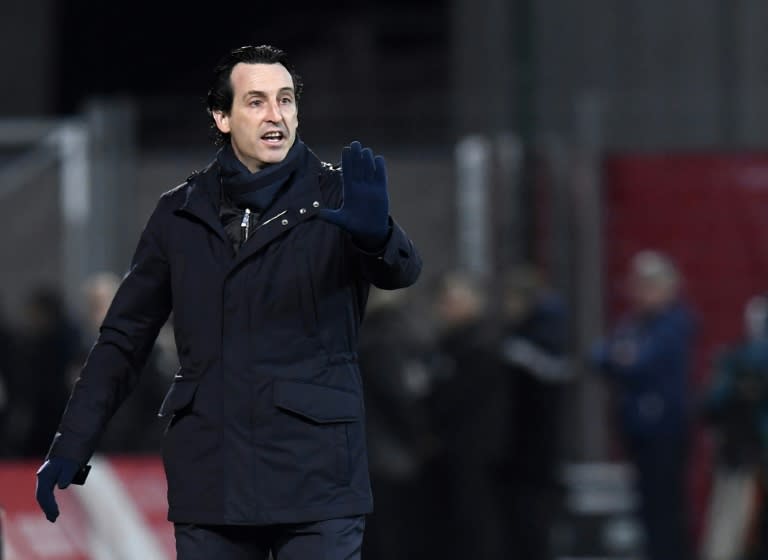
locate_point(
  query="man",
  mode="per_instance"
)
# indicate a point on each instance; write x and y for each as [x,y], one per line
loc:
[736,406]
[533,348]
[467,406]
[648,358]
[395,360]
[48,349]
[266,257]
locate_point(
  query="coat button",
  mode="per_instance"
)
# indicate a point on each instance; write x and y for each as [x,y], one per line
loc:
[284,222]
[302,210]
[316,204]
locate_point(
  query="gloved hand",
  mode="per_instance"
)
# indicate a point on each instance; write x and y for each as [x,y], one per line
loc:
[364,212]
[55,471]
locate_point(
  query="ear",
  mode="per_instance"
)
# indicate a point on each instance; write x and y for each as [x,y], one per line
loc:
[222,121]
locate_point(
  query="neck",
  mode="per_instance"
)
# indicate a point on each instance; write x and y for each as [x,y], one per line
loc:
[237,171]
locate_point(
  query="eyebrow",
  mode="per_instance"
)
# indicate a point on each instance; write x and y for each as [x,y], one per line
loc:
[257,93]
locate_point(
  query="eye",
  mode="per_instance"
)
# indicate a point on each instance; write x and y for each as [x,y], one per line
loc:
[286,100]
[255,102]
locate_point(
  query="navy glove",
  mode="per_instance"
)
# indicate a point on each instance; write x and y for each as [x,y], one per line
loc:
[364,212]
[55,471]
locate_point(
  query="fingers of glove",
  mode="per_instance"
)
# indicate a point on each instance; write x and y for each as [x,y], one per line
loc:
[380,175]
[369,167]
[348,166]
[44,497]
[355,148]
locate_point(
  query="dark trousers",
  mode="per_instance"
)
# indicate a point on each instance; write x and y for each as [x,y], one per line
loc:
[333,539]
[660,464]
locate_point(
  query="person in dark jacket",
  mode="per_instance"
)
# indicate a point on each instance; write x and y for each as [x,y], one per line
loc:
[736,406]
[394,360]
[8,363]
[467,406]
[648,359]
[47,357]
[266,258]
[533,349]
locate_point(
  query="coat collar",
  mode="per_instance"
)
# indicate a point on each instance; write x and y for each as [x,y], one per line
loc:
[198,202]
[296,204]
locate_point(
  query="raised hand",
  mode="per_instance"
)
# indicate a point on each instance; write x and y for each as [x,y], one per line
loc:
[364,212]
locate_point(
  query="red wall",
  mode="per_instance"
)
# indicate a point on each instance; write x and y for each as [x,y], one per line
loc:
[709,212]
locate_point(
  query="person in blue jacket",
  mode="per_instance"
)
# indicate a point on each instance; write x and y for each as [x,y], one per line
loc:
[265,257]
[648,360]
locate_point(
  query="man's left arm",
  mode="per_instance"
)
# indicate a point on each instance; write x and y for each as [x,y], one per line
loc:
[388,257]
[397,264]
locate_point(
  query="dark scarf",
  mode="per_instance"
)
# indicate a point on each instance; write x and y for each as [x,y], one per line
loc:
[242,189]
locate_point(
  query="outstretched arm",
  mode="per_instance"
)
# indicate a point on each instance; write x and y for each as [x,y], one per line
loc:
[140,308]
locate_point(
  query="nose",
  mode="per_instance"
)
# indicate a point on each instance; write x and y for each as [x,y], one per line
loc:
[274,114]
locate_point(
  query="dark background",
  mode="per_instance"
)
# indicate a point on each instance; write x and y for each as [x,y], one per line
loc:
[358,60]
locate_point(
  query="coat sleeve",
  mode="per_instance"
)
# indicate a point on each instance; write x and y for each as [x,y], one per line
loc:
[138,311]
[396,265]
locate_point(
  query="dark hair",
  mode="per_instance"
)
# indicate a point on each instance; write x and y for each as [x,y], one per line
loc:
[220,94]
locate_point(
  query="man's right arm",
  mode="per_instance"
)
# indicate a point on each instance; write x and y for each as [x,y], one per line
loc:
[138,311]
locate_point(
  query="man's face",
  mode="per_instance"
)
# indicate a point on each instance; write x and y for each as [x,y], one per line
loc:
[457,305]
[264,116]
[650,295]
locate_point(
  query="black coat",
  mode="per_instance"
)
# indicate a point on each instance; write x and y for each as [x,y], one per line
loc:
[266,411]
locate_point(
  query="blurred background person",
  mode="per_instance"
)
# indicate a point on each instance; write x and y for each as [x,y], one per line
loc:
[48,353]
[7,349]
[135,428]
[394,362]
[736,406]
[648,359]
[467,408]
[533,347]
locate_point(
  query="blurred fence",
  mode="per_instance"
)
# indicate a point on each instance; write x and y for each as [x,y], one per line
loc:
[65,198]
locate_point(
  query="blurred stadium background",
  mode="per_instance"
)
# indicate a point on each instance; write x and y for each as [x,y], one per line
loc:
[565,134]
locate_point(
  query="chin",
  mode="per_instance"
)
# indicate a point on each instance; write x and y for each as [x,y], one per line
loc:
[273,157]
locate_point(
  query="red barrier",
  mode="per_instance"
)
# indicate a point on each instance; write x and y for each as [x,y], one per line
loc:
[144,480]
[28,535]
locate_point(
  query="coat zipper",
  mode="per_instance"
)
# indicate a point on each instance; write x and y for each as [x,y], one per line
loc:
[245,226]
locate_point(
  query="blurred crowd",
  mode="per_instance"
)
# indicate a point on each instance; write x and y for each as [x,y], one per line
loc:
[465,408]
[464,420]
[40,359]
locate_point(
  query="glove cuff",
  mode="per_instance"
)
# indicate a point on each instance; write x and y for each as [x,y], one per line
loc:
[373,245]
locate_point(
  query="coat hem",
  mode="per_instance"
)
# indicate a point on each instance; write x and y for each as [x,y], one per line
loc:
[273,517]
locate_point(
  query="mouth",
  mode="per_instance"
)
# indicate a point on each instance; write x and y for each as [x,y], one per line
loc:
[274,137]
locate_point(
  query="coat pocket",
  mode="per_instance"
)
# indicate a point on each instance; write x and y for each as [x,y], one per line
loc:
[327,414]
[179,396]
[320,404]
